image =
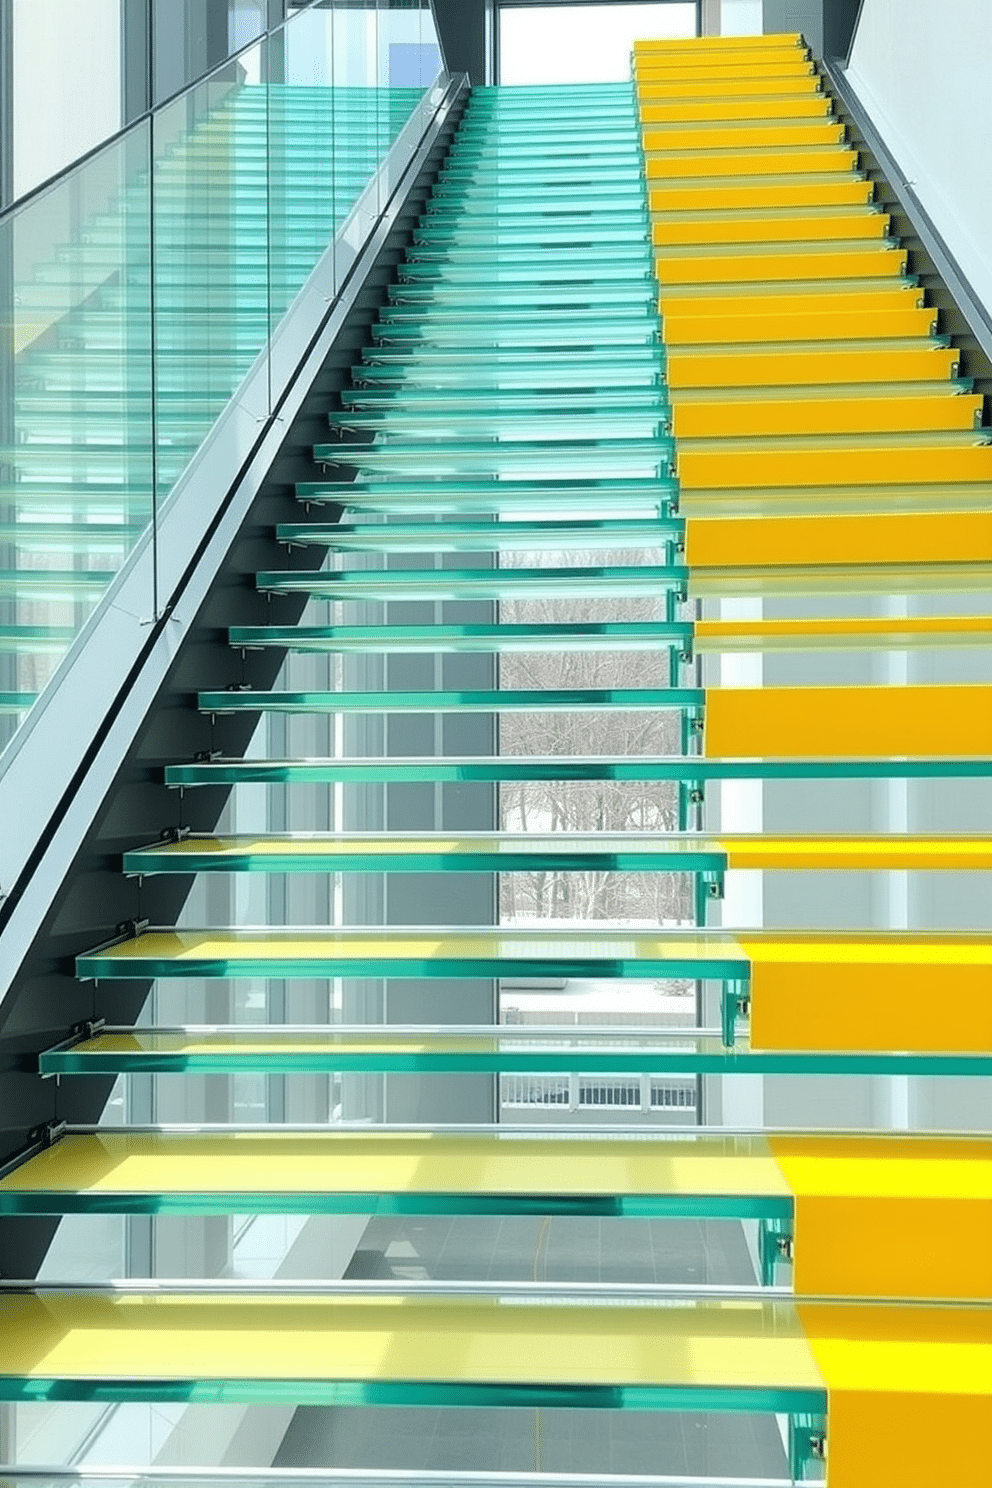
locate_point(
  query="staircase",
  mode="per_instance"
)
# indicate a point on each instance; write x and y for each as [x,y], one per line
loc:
[523,427]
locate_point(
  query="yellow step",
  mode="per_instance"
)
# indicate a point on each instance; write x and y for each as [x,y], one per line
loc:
[896,465]
[784,368]
[697,46]
[812,106]
[702,330]
[735,420]
[648,70]
[745,137]
[859,722]
[843,263]
[862,538]
[773,300]
[828,190]
[717,637]
[745,163]
[744,87]
[798,229]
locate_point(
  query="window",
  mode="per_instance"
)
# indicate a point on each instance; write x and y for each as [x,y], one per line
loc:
[583,43]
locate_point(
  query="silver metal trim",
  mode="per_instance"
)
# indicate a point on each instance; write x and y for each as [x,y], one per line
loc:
[379,1478]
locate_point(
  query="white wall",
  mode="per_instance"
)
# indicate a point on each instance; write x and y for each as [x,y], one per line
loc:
[67,83]
[741,18]
[924,73]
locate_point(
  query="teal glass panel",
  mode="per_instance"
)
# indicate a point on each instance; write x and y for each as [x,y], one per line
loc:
[432,852]
[646,635]
[394,498]
[211,241]
[689,770]
[628,1051]
[455,536]
[591,330]
[642,581]
[75,407]
[440,952]
[437,701]
[463,457]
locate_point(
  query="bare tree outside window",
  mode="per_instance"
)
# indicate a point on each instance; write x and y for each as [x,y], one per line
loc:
[601,806]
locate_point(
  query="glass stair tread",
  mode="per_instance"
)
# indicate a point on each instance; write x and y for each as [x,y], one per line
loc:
[631,852]
[483,496]
[512,425]
[430,1350]
[645,635]
[691,770]
[482,852]
[525,1049]
[449,701]
[536,402]
[455,536]
[439,458]
[477,583]
[439,952]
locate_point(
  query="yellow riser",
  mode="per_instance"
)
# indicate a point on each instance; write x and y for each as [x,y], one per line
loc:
[703,330]
[722,637]
[744,163]
[824,416]
[813,106]
[803,501]
[880,263]
[797,87]
[772,369]
[862,722]
[745,136]
[884,853]
[815,990]
[904,537]
[894,465]
[826,191]
[866,224]
[819,300]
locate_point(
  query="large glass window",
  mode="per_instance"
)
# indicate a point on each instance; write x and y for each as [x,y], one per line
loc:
[583,43]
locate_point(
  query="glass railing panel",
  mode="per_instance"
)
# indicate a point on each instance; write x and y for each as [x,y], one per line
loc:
[210,254]
[76,439]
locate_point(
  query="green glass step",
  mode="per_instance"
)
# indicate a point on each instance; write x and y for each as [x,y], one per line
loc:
[579,250]
[79,537]
[433,497]
[440,952]
[412,299]
[579,425]
[693,771]
[619,635]
[633,369]
[622,581]
[504,700]
[36,639]
[405,1172]
[16,702]
[54,584]
[628,265]
[637,308]
[520,1049]
[559,329]
[405,458]
[432,852]
[132,1344]
[454,536]
[587,359]
[541,402]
